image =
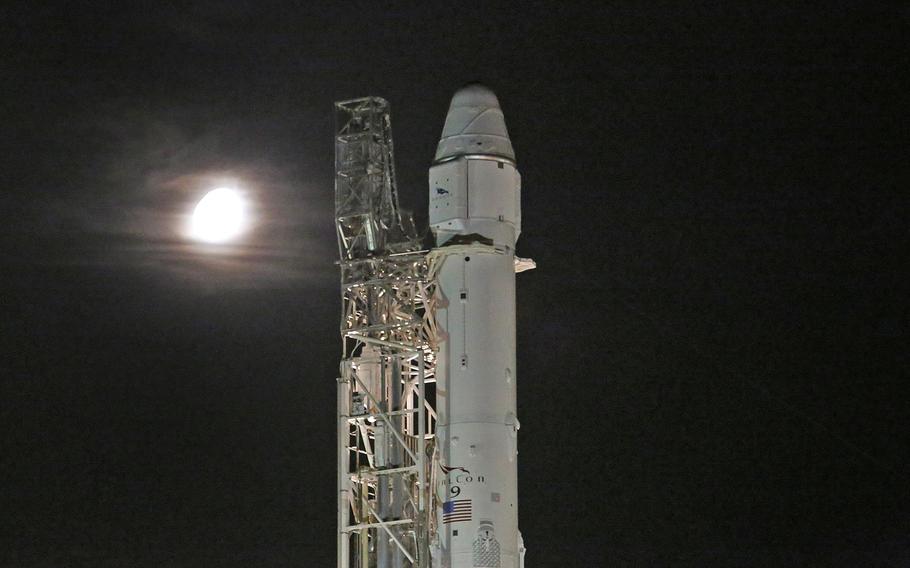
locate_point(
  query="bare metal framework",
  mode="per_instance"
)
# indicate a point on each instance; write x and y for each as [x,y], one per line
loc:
[386,392]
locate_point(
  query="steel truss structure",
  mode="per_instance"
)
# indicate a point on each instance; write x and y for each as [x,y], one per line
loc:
[386,392]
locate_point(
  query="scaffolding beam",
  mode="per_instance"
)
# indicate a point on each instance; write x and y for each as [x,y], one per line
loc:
[385,517]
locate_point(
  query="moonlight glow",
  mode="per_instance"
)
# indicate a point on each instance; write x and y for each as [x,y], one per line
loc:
[220,216]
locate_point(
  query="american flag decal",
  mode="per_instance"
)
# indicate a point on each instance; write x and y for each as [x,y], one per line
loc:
[456,511]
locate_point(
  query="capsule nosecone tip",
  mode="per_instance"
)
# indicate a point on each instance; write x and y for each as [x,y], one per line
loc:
[474,125]
[473,95]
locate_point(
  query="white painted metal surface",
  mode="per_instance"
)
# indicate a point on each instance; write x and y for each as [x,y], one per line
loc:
[474,125]
[475,214]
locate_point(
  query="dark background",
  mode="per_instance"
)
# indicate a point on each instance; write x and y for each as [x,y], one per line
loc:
[712,351]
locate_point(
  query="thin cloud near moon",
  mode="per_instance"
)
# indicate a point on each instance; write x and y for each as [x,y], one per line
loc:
[136,204]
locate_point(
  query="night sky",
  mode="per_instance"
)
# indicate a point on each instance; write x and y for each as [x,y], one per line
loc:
[712,351]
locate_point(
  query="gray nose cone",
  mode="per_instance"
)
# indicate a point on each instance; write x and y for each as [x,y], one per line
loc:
[474,125]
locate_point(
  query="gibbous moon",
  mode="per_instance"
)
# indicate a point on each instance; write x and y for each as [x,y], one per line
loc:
[220,216]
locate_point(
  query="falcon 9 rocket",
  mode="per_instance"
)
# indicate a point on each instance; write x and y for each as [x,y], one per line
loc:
[475,215]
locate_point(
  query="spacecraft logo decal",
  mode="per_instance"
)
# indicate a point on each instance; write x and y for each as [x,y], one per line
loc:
[456,511]
[441,191]
[449,469]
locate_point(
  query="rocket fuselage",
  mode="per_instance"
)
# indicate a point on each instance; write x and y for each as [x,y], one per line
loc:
[475,214]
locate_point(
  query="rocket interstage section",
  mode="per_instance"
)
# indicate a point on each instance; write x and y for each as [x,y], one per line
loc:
[427,421]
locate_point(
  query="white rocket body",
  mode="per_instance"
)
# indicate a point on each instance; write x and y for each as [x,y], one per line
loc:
[475,214]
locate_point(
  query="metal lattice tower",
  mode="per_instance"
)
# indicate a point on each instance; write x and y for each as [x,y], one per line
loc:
[386,392]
